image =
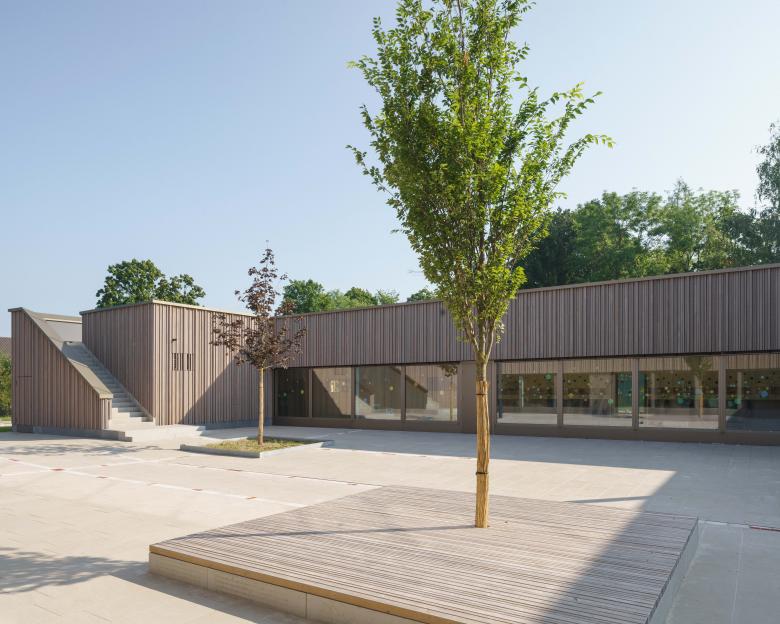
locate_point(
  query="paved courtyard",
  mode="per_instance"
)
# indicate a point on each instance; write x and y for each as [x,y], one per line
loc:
[77,516]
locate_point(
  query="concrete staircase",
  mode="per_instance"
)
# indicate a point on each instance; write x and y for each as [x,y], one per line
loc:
[126,414]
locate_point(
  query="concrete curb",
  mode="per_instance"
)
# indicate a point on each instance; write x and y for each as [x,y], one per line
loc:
[192,448]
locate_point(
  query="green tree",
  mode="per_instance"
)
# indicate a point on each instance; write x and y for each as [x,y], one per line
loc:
[693,229]
[470,172]
[358,298]
[769,170]
[553,262]
[301,296]
[5,385]
[310,296]
[610,236]
[134,281]
[386,297]
[424,294]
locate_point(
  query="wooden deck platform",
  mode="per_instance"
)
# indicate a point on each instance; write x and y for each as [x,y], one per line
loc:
[396,554]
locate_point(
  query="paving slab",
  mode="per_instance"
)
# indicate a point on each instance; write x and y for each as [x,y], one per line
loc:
[100,528]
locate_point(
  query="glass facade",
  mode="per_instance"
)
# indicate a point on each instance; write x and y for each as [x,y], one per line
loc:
[378,392]
[753,392]
[597,397]
[679,392]
[292,392]
[432,392]
[526,393]
[732,393]
[331,392]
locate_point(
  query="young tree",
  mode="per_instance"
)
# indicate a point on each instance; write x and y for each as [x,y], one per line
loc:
[470,175]
[261,340]
[134,281]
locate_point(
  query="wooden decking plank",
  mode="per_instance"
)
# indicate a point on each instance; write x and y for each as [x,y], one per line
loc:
[390,579]
[414,551]
[309,548]
[588,554]
[474,564]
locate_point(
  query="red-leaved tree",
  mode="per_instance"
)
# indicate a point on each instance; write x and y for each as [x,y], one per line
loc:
[262,339]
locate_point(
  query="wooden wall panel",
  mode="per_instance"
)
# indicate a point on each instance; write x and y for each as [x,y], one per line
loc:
[215,390]
[709,312]
[48,391]
[122,339]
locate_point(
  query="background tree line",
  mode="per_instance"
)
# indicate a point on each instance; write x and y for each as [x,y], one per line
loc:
[640,233]
[303,296]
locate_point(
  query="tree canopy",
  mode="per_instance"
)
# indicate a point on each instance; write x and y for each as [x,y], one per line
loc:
[470,158]
[424,294]
[641,234]
[309,296]
[769,170]
[134,281]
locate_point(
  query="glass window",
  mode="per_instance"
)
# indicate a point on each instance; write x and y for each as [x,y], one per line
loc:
[753,392]
[432,392]
[526,393]
[330,393]
[679,392]
[292,396]
[378,392]
[597,396]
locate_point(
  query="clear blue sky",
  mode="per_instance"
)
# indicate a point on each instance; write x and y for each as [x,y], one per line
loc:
[192,132]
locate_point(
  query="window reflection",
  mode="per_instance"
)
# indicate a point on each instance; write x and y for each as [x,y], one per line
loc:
[526,393]
[432,392]
[292,397]
[378,392]
[331,393]
[679,392]
[597,398]
[753,392]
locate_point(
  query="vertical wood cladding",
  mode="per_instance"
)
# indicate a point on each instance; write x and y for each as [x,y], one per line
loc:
[215,390]
[709,312]
[122,339]
[48,391]
[144,347]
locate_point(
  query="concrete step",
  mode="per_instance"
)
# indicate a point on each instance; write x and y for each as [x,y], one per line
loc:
[129,415]
[126,409]
[145,434]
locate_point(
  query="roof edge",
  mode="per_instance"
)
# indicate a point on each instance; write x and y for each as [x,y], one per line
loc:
[522,291]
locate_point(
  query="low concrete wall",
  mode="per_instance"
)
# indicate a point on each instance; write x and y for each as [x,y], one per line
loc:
[287,600]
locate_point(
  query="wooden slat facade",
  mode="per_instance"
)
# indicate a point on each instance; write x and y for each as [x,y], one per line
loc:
[122,339]
[141,346]
[414,553]
[710,312]
[215,390]
[161,352]
[49,391]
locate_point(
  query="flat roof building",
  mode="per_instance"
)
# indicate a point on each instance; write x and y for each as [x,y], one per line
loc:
[683,357]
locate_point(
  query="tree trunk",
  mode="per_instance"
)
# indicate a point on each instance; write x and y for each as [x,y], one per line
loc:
[483,446]
[261,406]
